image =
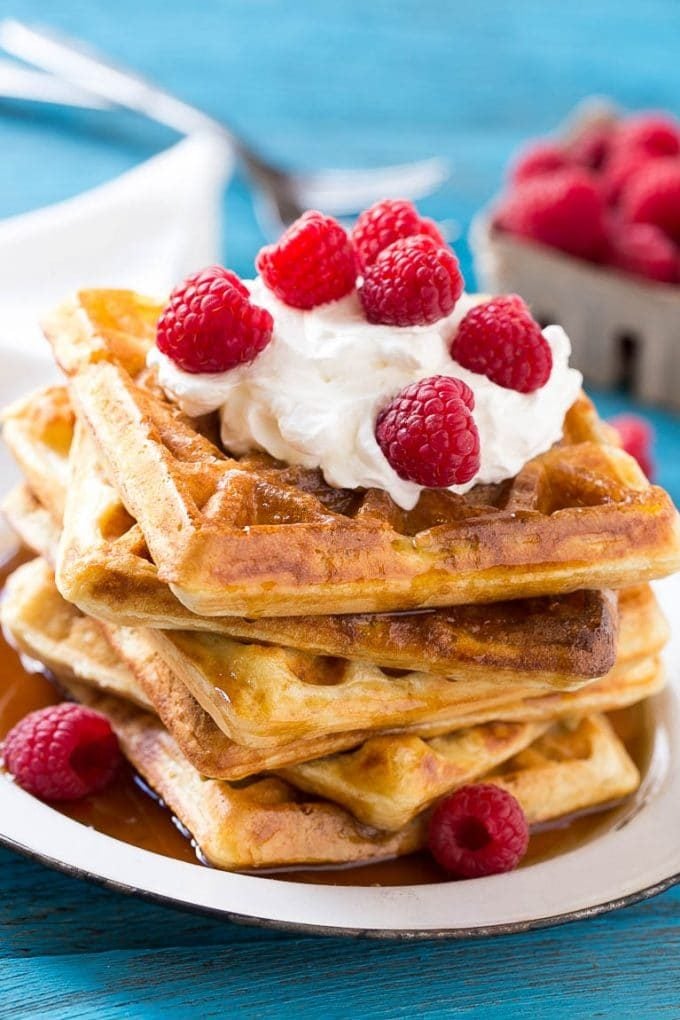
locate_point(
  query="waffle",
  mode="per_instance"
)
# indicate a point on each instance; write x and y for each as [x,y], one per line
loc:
[32,602]
[261,695]
[269,822]
[388,781]
[54,633]
[642,629]
[105,568]
[254,538]
[38,430]
[235,541]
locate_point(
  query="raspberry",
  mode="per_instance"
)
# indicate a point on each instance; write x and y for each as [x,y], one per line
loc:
[428,434]
[623,166]
[413,282]
[478,830]
[590,147]
[563,210]
[644,250]
[386,222]
[540,158]
[500,340]
[312,263]
[652,133]
[653,196]
[637,439]
[62,752]
[210,325]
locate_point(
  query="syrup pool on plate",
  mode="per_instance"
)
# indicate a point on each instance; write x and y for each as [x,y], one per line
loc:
[127,811]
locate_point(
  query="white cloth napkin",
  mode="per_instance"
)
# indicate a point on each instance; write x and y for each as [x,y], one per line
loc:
[145,229]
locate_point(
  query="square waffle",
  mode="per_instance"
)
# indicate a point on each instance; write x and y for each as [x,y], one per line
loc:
[46,626]
[106,569]
[269,822]
[390,780]
[255,538]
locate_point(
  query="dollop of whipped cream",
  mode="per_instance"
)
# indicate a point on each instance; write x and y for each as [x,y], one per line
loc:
[313,395]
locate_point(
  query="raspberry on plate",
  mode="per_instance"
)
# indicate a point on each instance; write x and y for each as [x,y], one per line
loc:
[644,250]
[653,196]
[500,340]
[564,210]
[637,439]
[386,222]
[539,158]
[428,434]
[311,264]
[413,282]
[62,752]
[478,830]
[210,324]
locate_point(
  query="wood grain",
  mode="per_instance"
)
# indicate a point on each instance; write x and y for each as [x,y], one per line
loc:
[348,83]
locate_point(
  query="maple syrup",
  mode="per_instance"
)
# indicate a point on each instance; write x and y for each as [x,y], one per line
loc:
[128,811]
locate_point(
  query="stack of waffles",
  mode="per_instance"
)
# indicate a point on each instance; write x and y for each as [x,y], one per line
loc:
[301,672]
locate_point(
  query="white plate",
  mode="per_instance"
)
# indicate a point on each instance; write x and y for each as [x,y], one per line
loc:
[637,858]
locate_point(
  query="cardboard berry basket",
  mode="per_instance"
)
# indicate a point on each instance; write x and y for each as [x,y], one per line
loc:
[622,328]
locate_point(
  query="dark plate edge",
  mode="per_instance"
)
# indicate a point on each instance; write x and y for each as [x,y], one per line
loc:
[296,927]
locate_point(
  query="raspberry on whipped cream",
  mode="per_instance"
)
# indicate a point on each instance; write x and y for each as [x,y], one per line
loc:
[313,395]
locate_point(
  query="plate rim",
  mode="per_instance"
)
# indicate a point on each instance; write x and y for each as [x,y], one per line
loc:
[330,931]
[23,833]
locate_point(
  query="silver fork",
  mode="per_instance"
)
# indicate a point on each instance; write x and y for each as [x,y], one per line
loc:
[283,195]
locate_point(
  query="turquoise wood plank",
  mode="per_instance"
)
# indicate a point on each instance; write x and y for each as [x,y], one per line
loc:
[344,83]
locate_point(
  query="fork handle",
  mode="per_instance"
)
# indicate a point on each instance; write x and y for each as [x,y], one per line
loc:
[72,61]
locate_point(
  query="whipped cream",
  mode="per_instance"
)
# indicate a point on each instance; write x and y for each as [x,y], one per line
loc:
[312,396]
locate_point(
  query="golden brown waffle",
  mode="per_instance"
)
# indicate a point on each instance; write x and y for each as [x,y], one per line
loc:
[389,780]
[35,527]
[262,695]
[642,627]
[230,538]
[106,569]
[250,537]
[263,824]
[49,630]
[38,430]
[32,603]
[269,823]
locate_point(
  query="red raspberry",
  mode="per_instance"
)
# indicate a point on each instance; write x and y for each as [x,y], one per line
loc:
[386,222]
[653,196]
[428,434]
[478,830]
[62,752]
[312,263]
[653,133]
[637,439]
[644,250]
[563,210]
[500,340]
[590,147]
[413,282]
[210,325]
[540,158]
[621,168]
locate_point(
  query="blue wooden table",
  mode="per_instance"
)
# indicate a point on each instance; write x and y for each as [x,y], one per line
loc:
[344,83]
